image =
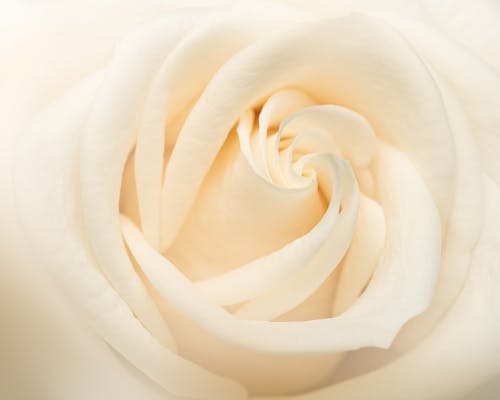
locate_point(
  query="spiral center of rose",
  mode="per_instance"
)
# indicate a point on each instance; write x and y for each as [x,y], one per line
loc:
[269,233]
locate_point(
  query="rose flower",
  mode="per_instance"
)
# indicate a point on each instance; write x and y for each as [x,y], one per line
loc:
[250,200]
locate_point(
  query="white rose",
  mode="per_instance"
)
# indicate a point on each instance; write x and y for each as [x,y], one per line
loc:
[259,199]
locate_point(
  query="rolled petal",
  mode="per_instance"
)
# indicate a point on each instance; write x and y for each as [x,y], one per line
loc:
[362,256]
[298,286]
[262,274]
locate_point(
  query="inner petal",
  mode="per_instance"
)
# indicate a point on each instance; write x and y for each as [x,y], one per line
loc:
[239,216]
[300,284]
[348,61]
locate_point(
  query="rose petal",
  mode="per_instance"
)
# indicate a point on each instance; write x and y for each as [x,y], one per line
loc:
[338,61]
[299,285]
[474,83]
[461,21]
[276,108]
[436,369]
[246,218]
[47,170]
[258,276]
[471,117]
[464,224]
[181,78]
[350,132]
[407,271]
[362,256]
[105,145]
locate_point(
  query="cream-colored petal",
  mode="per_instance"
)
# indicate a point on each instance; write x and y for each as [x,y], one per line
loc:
[469,89]
[244,23]
[474,25]
[404,198]
[299,285]
[106,141]
[246,218]
[464,225]
[214,338]
[362,256]
[473,82]
[259,276]
[47,170]
[407,271]
[244,131]
[338,61]
[461,353]
[128,192]
[181,78]
[351,133]
[308,141]
[276,108]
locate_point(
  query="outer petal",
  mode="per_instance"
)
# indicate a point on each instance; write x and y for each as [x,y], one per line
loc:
[475,24]
[469,90]
[51,177]
[37,322]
